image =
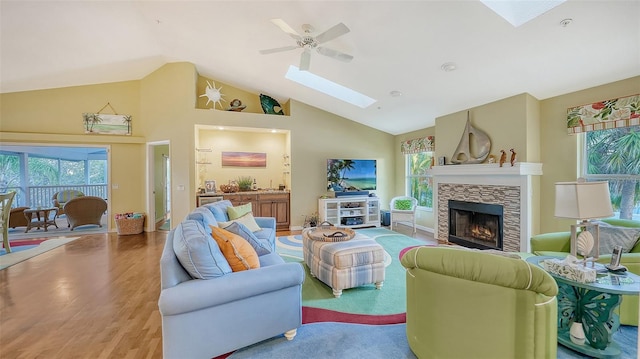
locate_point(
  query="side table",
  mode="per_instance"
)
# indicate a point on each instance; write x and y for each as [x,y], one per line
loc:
[42,217]
[593,305]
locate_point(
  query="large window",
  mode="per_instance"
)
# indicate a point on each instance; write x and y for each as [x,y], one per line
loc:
[614,155]
[419,183]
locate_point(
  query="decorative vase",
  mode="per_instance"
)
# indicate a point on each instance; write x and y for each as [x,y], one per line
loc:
[576,333]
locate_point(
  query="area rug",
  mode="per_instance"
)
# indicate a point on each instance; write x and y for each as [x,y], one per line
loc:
[358,341]
[365,300]
[22,250]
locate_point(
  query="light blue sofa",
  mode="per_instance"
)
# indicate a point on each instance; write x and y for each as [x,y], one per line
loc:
[204,318]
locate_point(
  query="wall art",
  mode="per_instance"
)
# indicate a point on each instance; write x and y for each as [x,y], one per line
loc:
[244,159]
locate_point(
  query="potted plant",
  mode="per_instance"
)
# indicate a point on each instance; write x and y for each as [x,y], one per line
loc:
[311,220]
[244,182]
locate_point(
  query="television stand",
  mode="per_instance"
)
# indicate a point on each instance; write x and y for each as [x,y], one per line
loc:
[350,211]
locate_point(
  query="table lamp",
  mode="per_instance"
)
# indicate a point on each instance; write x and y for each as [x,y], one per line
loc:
[583,201]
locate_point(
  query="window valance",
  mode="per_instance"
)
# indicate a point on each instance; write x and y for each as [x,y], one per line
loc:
[615,113]
[417,145]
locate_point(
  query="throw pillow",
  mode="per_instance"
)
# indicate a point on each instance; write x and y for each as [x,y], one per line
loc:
[403,204]
[204,216]
[247,220]
[239,211]
[261,246]
[612,236]
[238,252]
[197,253]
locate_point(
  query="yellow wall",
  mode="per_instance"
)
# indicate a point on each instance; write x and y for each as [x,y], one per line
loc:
[274,145]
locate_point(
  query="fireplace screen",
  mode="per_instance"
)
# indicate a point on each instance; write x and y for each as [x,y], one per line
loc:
[475,225]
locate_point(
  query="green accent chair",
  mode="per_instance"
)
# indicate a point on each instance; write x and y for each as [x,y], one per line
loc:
[558,244]
[472,304]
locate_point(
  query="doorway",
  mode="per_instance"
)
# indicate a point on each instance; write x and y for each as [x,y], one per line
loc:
[160,183]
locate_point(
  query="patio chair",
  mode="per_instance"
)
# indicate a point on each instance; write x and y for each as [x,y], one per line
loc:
[61,198]
[85,210]
[5,210]
[17,218]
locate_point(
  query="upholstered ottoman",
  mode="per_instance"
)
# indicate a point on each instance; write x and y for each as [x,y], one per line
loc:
[346,264]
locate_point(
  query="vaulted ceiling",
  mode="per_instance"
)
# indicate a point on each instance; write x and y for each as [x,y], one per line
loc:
[397,46]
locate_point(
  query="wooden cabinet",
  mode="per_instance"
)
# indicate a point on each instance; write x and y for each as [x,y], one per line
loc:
[275,205]
[357,211]
[271,204]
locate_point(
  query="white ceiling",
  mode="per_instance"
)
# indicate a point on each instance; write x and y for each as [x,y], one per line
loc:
[397,45]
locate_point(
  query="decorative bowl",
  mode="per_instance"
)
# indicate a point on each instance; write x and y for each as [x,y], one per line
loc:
[229,188]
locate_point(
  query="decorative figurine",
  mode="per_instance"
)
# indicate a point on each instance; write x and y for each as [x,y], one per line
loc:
[236,105]
[503,157]
[213,94]
[513,157]
[492,159]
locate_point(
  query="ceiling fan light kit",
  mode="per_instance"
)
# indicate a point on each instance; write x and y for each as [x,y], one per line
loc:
[307,42]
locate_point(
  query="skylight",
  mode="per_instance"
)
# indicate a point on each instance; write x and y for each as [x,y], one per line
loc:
[330,88]
[518,12]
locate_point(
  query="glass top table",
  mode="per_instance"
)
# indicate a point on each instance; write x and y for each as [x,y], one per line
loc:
[592,305]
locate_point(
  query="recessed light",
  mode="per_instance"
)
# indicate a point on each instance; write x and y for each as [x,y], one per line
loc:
[395,93]
[448,66]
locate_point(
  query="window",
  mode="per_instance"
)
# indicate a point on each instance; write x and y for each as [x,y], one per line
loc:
[419,183]
[614,155]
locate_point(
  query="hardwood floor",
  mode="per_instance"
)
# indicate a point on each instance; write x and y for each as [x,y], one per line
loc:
[95,297]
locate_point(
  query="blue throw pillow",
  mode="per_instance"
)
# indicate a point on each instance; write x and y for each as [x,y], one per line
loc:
[261,246]
[204,216]
[198,253]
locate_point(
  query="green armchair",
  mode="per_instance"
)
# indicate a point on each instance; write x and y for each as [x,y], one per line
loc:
[471,304]
[559,244]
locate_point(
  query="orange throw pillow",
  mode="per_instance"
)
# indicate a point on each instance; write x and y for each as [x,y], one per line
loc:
[238,252]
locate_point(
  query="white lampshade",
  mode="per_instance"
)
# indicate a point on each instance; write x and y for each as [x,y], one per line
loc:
[583,200]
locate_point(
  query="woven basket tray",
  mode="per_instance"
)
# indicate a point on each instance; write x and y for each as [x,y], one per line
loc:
[330,233]
[130,225]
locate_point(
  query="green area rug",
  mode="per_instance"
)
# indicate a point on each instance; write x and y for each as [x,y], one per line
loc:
[391,299]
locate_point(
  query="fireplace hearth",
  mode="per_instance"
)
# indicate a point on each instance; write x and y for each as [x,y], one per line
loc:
[476,225]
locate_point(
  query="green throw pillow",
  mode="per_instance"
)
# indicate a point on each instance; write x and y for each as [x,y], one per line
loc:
[403,204]
[239,211]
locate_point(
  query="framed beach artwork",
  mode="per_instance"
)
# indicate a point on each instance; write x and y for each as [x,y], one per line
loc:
[244,159]
[103,124]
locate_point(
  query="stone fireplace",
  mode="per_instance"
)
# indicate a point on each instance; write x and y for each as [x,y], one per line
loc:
[475,225]
[510,187]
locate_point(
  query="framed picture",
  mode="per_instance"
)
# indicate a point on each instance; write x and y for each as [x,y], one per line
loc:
[210,186]
[102,124]
[441,161]
[244,159]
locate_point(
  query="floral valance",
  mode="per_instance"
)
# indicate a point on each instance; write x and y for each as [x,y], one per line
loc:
[423,144]
[615,113]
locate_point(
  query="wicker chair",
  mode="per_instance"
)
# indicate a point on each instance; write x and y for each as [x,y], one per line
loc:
[17,218]
[85,210]
[61,198]
[403,209]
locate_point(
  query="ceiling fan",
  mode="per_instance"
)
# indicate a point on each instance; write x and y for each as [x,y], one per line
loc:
[309,42]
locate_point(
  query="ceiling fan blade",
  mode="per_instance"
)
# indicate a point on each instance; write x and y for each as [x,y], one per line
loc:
[278,49]
[332,33]
[334,54]
[286,28]
[305,60]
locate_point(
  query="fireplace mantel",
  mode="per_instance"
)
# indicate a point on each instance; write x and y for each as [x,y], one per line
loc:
[511,186]
[490,169]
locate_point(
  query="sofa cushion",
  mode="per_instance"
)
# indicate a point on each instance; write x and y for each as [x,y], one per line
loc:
[260,245]
[219,209]
[239,211]
[238,252]
[611,236]
[198,254]
[247,220]
[204,216]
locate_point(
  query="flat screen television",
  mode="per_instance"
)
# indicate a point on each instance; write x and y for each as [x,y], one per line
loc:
[351,175]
